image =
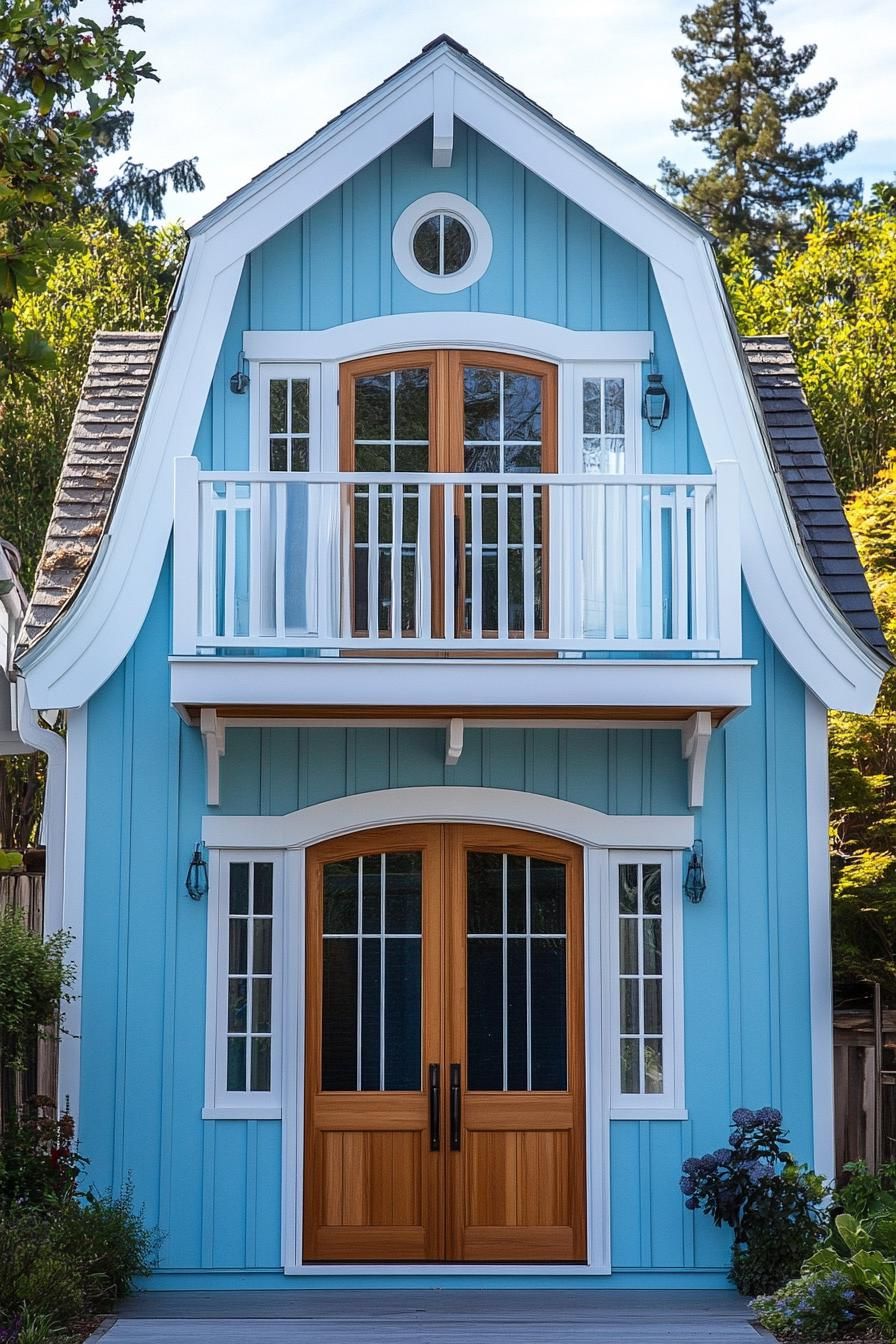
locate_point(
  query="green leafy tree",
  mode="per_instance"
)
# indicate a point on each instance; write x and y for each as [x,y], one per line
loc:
[863,771]
[114,280]
[64,83]
[741,93]
[835,297]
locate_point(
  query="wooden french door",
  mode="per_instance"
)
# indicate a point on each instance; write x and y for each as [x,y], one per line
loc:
[467,412]
[444,1048]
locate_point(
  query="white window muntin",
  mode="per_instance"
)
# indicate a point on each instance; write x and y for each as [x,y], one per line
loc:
[442,203]
[262,375]
[222,1102]
[669,1102]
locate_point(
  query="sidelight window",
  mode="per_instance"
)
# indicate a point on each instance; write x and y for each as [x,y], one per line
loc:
[646,909]
[245,939]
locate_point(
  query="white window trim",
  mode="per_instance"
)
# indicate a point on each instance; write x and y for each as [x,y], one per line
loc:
[442,202]
[668,1105]
[219,1103]
[261,375]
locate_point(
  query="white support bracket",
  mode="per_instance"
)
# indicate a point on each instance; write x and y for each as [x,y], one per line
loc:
[454,741]
[442,117]
[695,735]
[214,739]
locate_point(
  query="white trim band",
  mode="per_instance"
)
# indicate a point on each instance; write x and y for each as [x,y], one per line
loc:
[448,803]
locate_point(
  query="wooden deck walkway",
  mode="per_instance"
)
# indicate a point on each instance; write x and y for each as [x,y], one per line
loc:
[559,1316]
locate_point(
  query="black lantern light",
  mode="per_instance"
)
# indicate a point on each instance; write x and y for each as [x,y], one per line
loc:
[197,875]
[695,878]
[239,381]
[655,402]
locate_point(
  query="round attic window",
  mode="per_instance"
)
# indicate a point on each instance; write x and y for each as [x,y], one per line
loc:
[442,243]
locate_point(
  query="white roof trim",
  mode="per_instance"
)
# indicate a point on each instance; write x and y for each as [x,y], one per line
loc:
[89,641]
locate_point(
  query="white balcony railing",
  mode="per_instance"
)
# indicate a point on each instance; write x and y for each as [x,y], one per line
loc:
[336,560]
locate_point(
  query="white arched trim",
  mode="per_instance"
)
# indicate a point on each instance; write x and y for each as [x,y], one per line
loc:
[90,640]
[449,803]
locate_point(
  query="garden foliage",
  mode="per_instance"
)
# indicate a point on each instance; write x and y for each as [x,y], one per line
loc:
[772,1204]
[66,1253]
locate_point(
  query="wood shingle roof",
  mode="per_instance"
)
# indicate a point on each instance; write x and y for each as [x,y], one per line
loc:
[118,375]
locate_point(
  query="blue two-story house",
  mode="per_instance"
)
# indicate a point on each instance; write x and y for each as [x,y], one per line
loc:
[449,603]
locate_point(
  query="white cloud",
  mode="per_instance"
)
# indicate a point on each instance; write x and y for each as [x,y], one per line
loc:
[240,86]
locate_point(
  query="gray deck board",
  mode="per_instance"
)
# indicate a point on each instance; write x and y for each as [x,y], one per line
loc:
[430,1316]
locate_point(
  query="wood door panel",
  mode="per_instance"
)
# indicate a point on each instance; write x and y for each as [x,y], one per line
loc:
[374,1190]
[514,1189]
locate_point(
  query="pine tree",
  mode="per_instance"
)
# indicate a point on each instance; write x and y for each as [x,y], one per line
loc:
[740,94]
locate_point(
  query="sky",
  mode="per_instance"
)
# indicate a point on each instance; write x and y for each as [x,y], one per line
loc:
[242,84]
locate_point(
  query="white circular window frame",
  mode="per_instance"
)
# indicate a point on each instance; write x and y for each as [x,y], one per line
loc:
[407,224]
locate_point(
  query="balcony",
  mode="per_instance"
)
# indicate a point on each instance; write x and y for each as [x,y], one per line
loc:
[543,565]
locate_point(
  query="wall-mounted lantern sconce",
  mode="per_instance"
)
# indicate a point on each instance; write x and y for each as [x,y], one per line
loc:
[695,878]
[655,402]
[239,381]
[197,875]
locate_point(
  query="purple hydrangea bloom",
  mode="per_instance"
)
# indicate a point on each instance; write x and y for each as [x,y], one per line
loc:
[691,1166]
[692,1203]
[686,1185]
[723,1155]
[768,1115]
[743,1117]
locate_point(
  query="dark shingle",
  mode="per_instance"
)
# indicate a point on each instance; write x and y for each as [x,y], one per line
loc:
[118,374]
[810,487]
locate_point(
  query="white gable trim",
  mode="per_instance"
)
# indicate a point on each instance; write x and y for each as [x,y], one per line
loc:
[75,658]
[449,803]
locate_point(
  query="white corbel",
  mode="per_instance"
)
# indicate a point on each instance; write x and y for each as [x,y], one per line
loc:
[695,735]
[442,117]
[214,739]
[454,741]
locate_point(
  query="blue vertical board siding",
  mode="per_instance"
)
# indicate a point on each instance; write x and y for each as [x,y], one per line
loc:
[214,1186]
[550,261]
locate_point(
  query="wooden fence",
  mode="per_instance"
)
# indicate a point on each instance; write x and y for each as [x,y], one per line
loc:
[865,1082]
[25,891]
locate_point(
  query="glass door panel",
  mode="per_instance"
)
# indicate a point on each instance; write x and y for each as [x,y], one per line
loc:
[388,433]
[509,429]
[372,974]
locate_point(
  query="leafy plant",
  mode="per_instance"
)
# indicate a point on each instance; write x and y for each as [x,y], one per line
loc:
[819,1305]
[33,979]
[39,1164]
[772,1203]
[73,1257]
[868,1270]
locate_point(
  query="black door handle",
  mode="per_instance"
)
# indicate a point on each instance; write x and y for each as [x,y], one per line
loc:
[455,1108]
[435,1107]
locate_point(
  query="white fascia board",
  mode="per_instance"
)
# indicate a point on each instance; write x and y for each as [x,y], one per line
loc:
[460,683]
[75,658]
[417,331]
[79,655]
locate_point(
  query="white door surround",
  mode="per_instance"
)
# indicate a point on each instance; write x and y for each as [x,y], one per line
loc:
[597,832]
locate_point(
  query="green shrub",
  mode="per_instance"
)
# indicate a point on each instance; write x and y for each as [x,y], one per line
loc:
[34,976]
[818,1305]
[72,1259]
[109,1237]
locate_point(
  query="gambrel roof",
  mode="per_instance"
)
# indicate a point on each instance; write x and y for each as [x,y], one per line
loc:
[118,374]
[817,506]
[818,628]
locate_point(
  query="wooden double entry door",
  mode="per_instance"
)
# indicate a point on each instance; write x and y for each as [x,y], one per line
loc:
[444,1048]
